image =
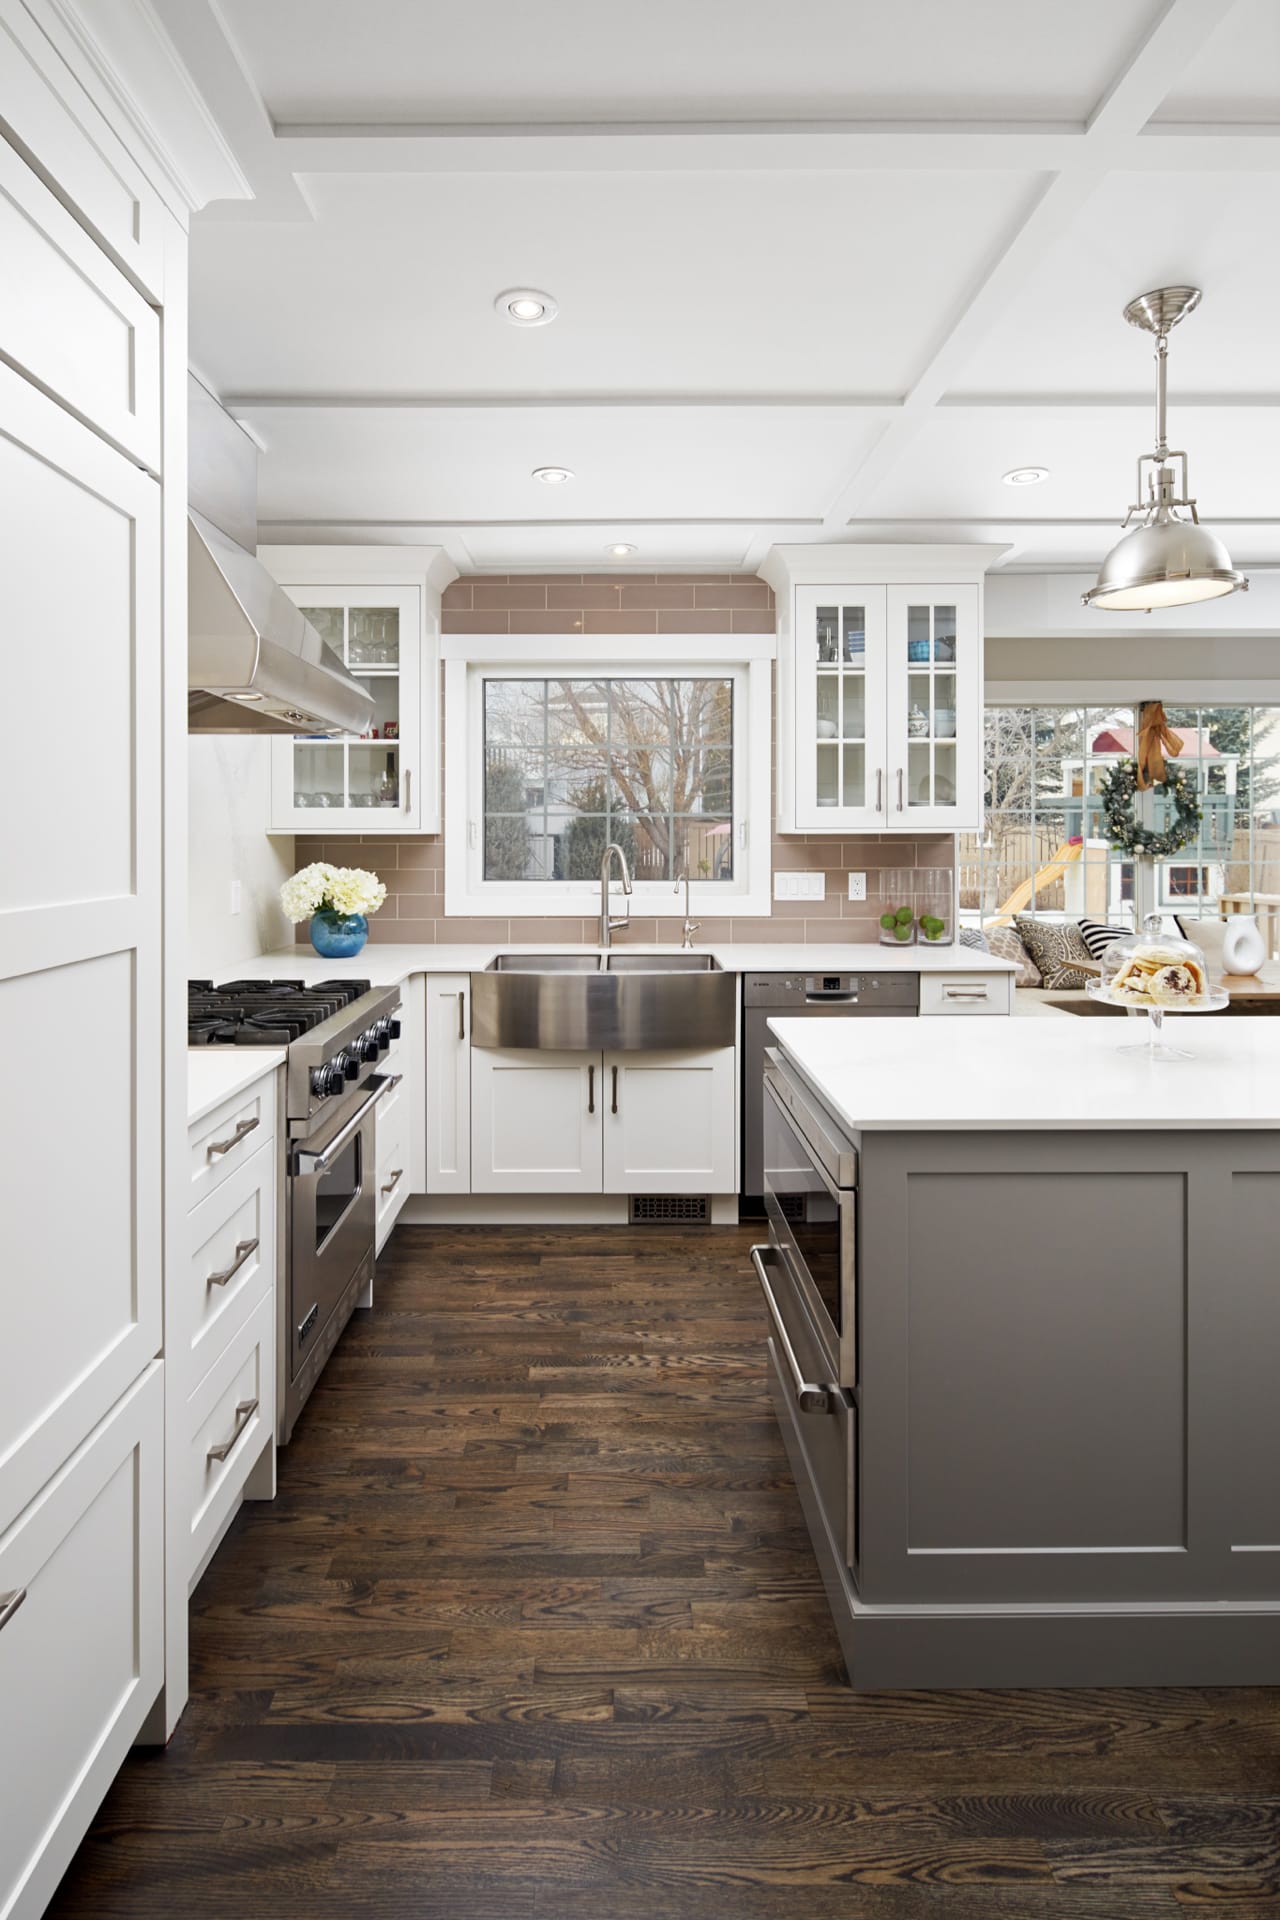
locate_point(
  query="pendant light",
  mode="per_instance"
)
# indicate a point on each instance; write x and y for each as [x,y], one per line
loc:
[1168,559]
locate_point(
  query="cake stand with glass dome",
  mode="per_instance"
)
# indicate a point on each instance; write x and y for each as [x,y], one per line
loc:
[1156,973]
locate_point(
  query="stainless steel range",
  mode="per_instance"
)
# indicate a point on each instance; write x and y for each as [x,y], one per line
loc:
[335,1033]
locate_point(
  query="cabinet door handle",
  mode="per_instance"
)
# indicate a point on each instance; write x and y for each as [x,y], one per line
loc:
[225,1146]
[245,1411]
[462,1014]
[9,1604]
[408,789]
[394,1181]
[899,789]
[243,1250]
[615,1090]
[591,1089]
[879,789]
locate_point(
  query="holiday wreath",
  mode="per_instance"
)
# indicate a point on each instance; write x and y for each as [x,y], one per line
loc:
[1119,789]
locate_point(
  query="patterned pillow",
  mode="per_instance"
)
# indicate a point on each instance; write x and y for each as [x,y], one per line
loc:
[1057,947]
[1097,936]
[1005,944]
[974,937]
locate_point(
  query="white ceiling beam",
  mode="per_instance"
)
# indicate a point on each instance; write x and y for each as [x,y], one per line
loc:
[546,400]
[1142,83]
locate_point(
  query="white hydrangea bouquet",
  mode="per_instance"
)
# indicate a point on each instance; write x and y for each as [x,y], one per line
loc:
[337,901]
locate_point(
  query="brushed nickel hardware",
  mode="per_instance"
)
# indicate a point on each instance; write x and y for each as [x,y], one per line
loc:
[690,926]
[394,1181]
[245,1411]
[607,924]
[408,789]
[591,1089]
[811,1395]
[899,789]
[9,1604]
[615,1090]
[225,1146]
[879,789]
[244,1249]
[462,1013]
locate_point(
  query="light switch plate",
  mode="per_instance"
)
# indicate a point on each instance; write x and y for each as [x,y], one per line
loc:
[857,886]
[799,886]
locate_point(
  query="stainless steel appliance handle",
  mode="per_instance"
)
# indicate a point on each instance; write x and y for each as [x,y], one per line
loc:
[462,1013]
[899,789]
[320,1162]
[394,1181]
[879,789]
[591,1089]
[9,1604]
[245,1411]
[225,1146]
[244,1248]
[811,1395]
[615,1090]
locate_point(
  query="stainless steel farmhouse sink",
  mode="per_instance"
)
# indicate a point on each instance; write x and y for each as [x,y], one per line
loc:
[646,1003]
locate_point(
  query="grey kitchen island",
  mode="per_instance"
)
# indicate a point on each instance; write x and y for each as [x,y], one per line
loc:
[1024,1299]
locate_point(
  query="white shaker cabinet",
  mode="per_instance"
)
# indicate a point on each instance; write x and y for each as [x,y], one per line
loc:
[879,688]
[536,1121]
[379,611]
[448,1085]
[670,1123]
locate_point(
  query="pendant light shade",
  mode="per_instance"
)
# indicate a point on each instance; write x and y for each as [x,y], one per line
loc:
[1165,558]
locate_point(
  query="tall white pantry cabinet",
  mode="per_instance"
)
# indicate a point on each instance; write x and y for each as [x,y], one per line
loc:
[93,592]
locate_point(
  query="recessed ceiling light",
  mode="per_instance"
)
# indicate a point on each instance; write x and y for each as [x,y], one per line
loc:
[526,307]
[1025,476]
[552,476]
[621,550]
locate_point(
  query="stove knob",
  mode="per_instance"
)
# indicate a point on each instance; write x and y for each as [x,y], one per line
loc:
[382,1034]
[335,1080]
[318,1076]
[349,1064]
[368,1045]
[395,1029]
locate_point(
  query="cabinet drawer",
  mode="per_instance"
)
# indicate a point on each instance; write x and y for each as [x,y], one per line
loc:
[81,1659]
[229,1136]
[102,358]
[966,993]
[232,1412]
[232,1258]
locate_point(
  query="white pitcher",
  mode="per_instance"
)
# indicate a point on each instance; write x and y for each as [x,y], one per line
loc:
[1243,948]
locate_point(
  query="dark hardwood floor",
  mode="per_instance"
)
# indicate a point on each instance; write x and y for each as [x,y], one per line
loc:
[533,1632]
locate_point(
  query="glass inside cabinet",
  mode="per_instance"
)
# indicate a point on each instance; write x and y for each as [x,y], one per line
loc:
[931,666]
[342,773]
[839,720]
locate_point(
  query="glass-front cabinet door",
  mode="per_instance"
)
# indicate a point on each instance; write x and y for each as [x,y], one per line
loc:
[335,782]
[841,770]
[934,709]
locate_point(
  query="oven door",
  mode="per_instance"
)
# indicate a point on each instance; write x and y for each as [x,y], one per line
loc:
[813,1225]
[332,1216]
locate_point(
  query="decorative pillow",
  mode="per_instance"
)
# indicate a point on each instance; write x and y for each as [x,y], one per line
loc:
[1005,944]
[974,937]
[1097,936]
[1057,948]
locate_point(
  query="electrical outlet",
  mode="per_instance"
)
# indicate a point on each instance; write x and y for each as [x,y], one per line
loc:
[857,886]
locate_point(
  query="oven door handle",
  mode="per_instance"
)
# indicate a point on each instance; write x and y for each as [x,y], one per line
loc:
[811,1395]
[305,1161]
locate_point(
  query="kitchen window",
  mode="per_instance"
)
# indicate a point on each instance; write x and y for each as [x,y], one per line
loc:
[1044,847]
[669,760]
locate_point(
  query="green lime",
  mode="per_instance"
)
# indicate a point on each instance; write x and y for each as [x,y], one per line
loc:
[903,933]
[888,922]
[903,916]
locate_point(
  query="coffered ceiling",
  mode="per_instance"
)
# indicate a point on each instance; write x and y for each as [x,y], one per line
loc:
[824,271]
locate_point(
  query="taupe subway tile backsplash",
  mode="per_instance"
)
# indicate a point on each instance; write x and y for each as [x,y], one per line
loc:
[413,868]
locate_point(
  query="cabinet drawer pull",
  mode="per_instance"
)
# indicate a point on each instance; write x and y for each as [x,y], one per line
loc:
[462,1015]
[615,1090]
[245,1411]
[225,1146]
[964,993]
[9,1604]
[811,1396]
[243,1250]
[591,1089]
[394,1181]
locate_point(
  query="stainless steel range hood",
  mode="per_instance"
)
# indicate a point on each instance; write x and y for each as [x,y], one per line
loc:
[255,665]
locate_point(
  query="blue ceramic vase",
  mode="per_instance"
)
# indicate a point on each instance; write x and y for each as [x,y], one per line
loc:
[338,935]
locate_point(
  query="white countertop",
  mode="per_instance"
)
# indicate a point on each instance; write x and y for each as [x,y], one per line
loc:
[215,1074]
[387,964]
[914,1075]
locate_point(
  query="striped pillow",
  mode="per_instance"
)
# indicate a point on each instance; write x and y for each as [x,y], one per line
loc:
[1097,936]
[974,937]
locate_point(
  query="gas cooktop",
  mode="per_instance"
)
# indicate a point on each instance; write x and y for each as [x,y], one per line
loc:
[264,1013]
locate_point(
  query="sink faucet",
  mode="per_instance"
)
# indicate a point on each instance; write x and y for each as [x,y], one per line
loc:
[690,926]
[606,923]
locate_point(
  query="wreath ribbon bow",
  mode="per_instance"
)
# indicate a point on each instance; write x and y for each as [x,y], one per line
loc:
[1155,738]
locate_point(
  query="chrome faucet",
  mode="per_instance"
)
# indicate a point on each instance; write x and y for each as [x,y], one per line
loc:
[690,926]
[606,923]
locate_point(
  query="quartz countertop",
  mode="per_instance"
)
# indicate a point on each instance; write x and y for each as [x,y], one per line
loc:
[1061,1073]
[215,1074]
[387,964]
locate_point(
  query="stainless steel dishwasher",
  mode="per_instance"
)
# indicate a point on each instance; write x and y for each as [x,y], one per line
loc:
[804,996]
